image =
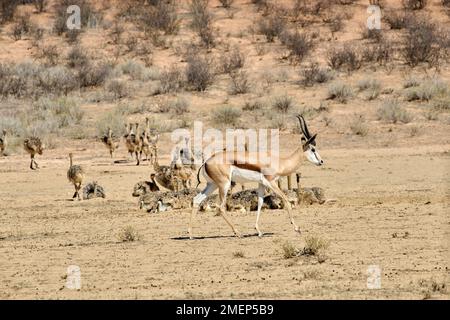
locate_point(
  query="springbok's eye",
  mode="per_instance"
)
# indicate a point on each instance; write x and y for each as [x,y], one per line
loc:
[313,149]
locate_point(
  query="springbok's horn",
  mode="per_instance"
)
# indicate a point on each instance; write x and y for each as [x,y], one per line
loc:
[303,126]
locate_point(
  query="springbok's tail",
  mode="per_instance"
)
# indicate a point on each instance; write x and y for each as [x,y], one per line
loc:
[198,175]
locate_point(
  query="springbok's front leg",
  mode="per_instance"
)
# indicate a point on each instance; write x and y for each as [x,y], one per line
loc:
[274,187]
[223,191]
[198,199]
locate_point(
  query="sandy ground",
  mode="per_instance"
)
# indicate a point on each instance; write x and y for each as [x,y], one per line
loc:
[392,211]
[392,185]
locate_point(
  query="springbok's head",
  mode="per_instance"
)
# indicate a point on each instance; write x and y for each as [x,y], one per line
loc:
[309,143]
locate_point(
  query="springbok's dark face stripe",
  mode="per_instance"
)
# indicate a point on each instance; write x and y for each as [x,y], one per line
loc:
[315,155]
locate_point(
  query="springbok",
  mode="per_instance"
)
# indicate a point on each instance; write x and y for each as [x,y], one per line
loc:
[246,167]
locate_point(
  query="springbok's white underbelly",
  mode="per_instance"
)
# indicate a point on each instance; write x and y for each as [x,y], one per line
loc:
[243,175]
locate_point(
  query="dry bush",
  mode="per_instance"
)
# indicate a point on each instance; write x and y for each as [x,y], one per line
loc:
[397,20]
[128,234]
[313,74]
[32,80]
[426,90]
[21,27]
[314,246]
[202,21]
[334,20]
[239,82]
[421,43]
[77,57]
[14,79]
[411,81]
[62,112]
[113,119]
[161,16]
[180,106]
[134,69]
[345,58]
[49,54]
[391,111]
[226,116]
[358,126]
[299,44]
[58,80]
[381,52]
[371,87]
[311,7]
[232,60]
[93,75]
[7,10]
[340,91]
[271,26]
[282,103]
[172,80]
[198,73]
[118,88]
[414,4]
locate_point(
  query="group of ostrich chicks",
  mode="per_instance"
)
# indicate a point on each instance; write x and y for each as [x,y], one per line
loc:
[175,177]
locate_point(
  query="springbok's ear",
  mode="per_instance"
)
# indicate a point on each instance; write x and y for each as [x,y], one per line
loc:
[311,140]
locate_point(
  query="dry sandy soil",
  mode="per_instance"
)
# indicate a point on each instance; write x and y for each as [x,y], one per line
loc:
[391,183]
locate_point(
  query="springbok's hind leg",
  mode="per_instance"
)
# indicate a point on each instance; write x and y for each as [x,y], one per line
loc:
[198,199]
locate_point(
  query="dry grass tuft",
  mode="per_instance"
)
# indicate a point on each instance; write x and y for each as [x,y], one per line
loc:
[128,234]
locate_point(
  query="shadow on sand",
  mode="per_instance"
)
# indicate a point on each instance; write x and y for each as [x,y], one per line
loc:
[268,234]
